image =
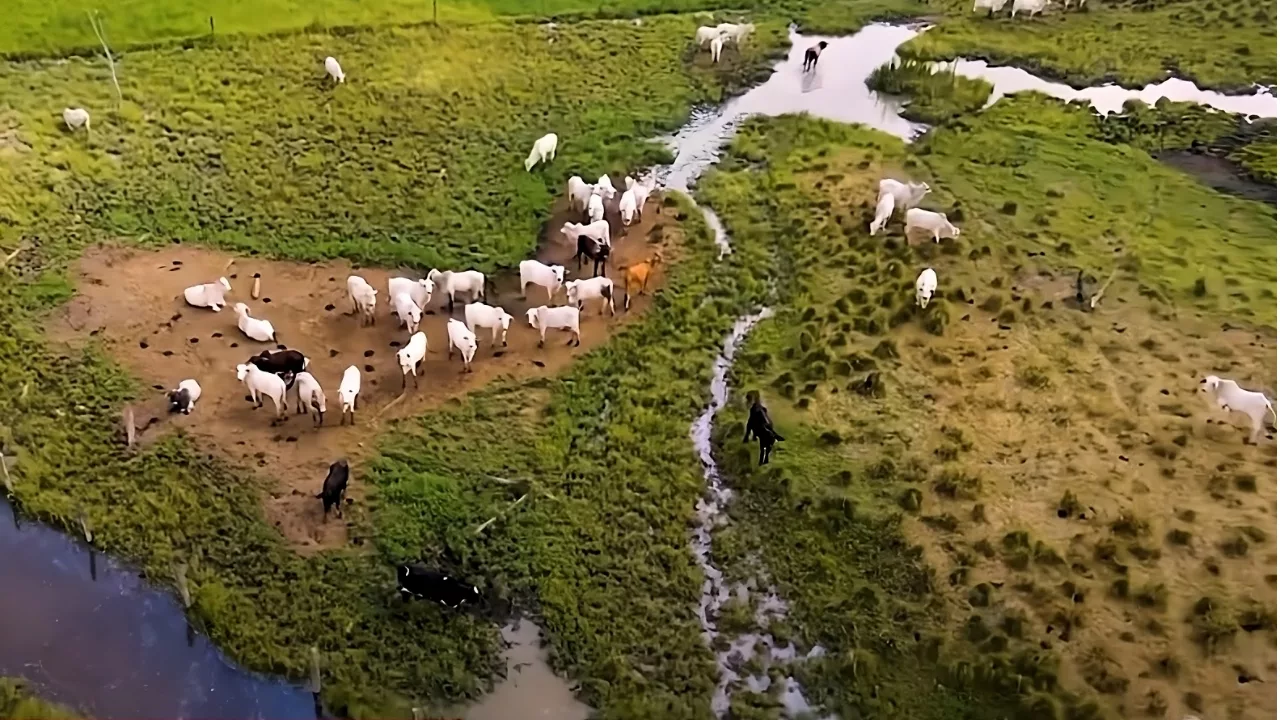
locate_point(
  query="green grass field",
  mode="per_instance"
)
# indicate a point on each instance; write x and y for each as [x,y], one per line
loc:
[1227,44]
[424,168]
[1035,191]
[240,145]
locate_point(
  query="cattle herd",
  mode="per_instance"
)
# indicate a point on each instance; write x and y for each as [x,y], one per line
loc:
[273,374]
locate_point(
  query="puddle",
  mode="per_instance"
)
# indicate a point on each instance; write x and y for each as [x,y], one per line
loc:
[531,689]
[1111,98]
[145,659]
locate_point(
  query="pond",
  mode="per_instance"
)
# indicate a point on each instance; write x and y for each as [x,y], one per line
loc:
[89,632]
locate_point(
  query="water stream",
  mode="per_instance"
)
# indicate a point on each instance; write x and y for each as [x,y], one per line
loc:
[87,631]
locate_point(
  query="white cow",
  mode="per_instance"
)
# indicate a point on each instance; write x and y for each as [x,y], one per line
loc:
[595,207]
[332,67]
[884,210]
[347,393]
[905,195]
[558,318]
[364,299]
[926,286]
[494,318]
[451,283]
[1231,397]
[310,396]
[464,340]
[717,46]
[704,35]
[75,118]
[410,358]
[604,186]
[598,231]
[580,291]
[627,206]
[408,311]
[210,295]
[736,33]
[991,6]
[419,290]
[259,383]
[579,193]
[933,222]
[1031,7]
[544,150]
[550,277]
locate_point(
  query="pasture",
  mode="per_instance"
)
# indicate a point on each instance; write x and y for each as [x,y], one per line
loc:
[1099,538]
[1226,45]
[954,480]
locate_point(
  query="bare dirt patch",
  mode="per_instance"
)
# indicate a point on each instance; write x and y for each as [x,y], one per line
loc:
[131,302]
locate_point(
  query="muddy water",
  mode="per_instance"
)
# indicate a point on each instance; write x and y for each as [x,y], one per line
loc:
[111,645]
[531,689]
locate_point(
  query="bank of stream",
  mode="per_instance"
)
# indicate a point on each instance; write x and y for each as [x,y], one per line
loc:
[89,632]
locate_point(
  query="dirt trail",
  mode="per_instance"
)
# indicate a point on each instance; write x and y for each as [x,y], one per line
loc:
[132,299]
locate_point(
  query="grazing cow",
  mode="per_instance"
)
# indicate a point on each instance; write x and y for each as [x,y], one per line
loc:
[991,6]
[811,56]
[598,253]
[929,221]
[334,490]
[426,584]
[759,425]
[1031,7]
[280,363]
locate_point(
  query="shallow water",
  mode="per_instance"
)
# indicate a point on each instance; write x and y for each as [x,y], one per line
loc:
[85,630]
[1111,98]
[531,689]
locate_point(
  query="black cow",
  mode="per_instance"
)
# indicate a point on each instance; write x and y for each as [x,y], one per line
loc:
[180,401]
[426,584]
[811,55]
[285,363]
[759,425]
[597,252]
[335,486]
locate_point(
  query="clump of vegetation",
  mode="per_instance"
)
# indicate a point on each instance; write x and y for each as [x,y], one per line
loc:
[18,703]
[937,94]
[955,484]
[1212,625]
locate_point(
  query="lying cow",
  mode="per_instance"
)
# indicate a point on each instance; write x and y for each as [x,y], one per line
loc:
[426,584]
[759,425]
[335,486]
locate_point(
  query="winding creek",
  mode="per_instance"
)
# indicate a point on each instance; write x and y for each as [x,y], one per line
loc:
[89,632]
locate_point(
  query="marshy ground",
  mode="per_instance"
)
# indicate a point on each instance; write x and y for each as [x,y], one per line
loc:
[1075,494]
[927,533]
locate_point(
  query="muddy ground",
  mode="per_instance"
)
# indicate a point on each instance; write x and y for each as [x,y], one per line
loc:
[131,301]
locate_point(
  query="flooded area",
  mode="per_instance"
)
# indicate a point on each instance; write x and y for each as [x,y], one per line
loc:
[1111,98]
[89,632]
